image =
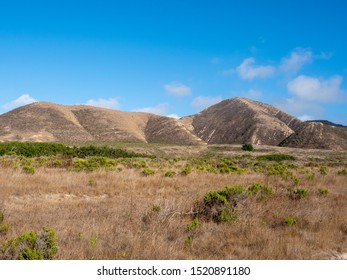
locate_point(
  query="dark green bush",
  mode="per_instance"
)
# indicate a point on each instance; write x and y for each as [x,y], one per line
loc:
[247,147]
[30,149]
[276,157]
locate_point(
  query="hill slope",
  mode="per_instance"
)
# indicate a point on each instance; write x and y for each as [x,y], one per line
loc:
[240,120]
[44,121]
[237,120]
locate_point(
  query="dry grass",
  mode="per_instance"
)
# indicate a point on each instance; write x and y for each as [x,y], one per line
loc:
[112,215]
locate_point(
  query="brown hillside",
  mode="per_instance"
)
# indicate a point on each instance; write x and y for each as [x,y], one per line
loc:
[240,120]
[44,121]
[232,121]
[318,135]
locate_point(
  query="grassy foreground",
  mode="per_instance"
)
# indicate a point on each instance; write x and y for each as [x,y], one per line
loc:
[196,202]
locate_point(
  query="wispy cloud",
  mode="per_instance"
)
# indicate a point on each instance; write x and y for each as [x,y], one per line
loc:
[203,102]
[300,108]
[306,118]
[247,70]
[177,89]
[296,60]
[24,99]
[160,109]
[173,116]
[316,89]
[111,103]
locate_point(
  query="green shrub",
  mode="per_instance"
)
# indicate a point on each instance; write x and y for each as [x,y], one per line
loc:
[323,170]
[2,217]
[169,173]
[188,241]
[31,246]
[259,188]
[290,221]
[323,192]
[57,163]
[247,147]
[148,172]
[29,149]
[187,170]
[298,193]
[29,169]
[220,205]
[276,157]
[193,225]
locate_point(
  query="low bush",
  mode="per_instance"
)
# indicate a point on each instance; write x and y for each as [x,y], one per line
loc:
[187,170]
[276,157]
[247,147]
[31,246]
[323,192]
[148,172]
[169,173]
[220,206]
[193,225]
[30,149]
[264,190]
[289,221]
[298,193]
[29,169]
[323,170]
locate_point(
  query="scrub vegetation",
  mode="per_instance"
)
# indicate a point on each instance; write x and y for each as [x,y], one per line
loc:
[128,201]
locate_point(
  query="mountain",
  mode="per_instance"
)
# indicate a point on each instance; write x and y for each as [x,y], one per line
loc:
[240,120]
[42,121]
[236,120]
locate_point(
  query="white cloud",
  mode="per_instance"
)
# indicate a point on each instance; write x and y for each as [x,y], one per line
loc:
[24,99]
[306,118]
[173,116]
[297,58]
[300,108]
[317,89]
[203,102]
[160,109]
[111,103]
[177,89]
[248,71]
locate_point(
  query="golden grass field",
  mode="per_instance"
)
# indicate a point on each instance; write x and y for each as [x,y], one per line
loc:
[122,214]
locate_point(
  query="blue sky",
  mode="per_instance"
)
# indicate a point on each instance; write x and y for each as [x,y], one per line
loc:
[176,57]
